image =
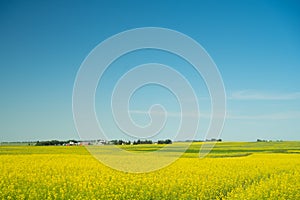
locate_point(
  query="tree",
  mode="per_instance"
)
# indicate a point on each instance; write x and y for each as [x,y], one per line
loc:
[167,141]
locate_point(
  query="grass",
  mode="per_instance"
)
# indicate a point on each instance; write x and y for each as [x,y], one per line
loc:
[221,149]
[225,149]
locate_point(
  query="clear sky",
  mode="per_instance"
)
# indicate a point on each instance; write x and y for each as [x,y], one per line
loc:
[255,44]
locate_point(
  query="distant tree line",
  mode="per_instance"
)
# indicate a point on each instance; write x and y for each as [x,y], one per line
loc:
[207,140]
[122,142]
[142,142]
[54,142]
[214,140]
[167,141]
[261,140]
[114,142]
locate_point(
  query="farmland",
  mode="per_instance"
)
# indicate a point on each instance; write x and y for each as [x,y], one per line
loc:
[232,170]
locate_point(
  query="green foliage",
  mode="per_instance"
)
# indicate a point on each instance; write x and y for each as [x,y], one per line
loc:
[167,141]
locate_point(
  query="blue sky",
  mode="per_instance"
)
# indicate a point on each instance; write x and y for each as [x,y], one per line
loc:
[255,45]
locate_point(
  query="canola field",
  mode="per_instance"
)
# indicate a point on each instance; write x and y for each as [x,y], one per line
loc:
[232,170]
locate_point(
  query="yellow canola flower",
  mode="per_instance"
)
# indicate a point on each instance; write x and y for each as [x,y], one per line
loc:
[72,173]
